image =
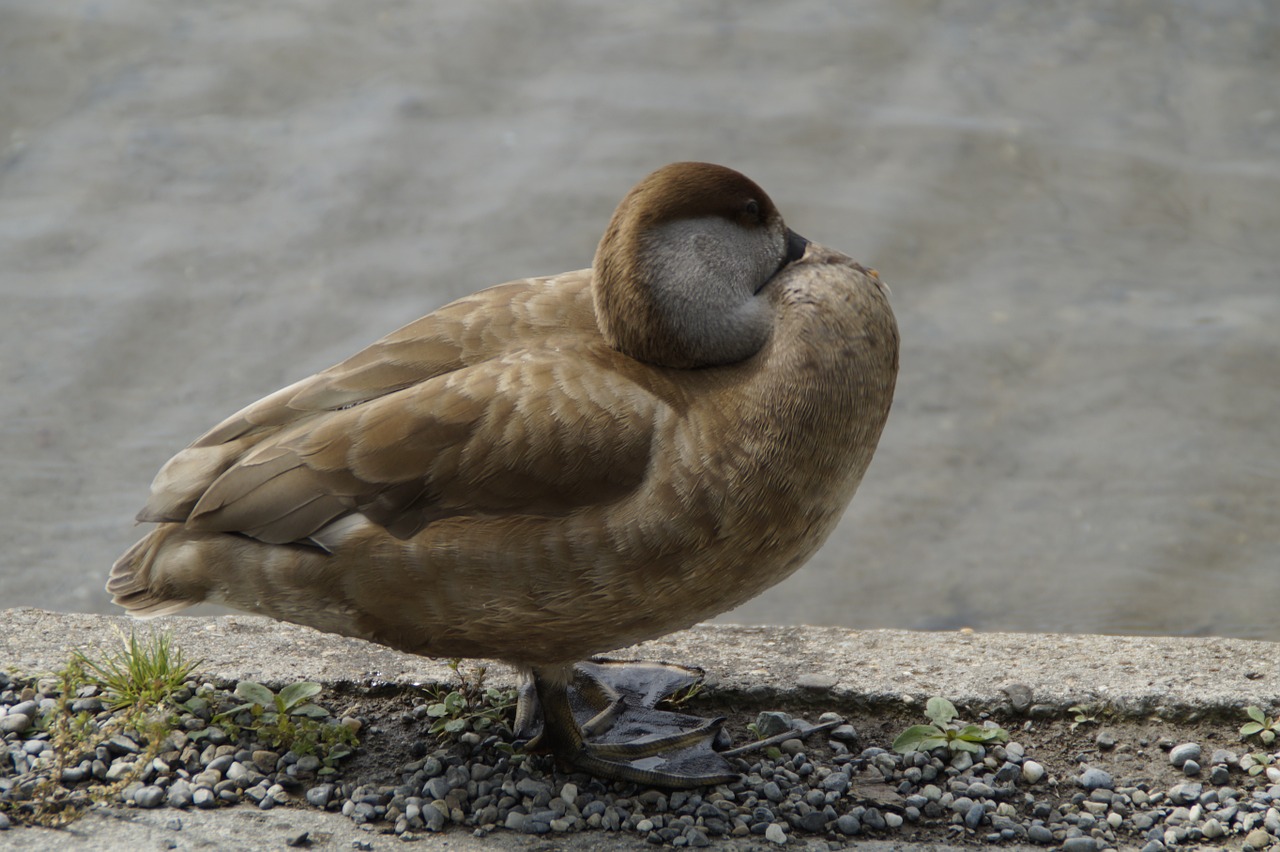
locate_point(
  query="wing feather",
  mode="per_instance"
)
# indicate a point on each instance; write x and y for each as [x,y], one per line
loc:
[506,402]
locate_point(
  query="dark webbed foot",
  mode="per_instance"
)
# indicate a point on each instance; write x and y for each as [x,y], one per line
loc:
[600,718]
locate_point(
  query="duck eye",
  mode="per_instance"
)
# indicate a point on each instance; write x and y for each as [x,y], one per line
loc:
[752,209]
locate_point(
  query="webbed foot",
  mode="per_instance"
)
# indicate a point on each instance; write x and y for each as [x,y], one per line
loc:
[601,718]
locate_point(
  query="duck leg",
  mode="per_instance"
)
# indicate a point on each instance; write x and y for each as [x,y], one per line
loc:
[599,718]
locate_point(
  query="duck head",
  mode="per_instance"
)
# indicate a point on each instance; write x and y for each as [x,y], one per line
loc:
[680,272]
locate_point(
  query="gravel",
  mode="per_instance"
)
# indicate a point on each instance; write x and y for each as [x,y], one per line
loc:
[811,791]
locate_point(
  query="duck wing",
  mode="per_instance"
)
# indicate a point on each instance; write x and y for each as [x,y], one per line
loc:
[506,402]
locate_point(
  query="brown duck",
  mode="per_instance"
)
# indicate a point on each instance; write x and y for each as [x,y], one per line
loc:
[554,467]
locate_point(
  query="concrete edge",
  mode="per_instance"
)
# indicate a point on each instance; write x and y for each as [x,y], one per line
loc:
[1174,678]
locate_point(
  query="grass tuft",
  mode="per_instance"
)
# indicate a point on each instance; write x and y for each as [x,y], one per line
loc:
[145,673]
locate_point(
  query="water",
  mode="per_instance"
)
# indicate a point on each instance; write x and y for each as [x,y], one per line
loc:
[1077,206]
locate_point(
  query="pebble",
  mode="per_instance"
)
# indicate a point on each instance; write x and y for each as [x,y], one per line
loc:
[1180,754]
[14,723]
[319,795]
[1258,838]
[149,797]
[1094,779]
[844,734]
[989,797]
[770,723]
[180,794]
[1037,833]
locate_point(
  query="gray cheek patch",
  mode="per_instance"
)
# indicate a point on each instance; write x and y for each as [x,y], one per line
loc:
[706,274]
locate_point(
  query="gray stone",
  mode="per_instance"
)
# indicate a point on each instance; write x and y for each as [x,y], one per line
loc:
[438,788]
[1180,754]
[265,760]
[149,797]
[1093,779]
[180,794]
[319,795]
[308,764]
[26,708]
[121,744]
[1258,838]
[74,775]
[221,764]
[848,825]
[979,790]
[1037,833]
[528,787]
[775,834]
[844,734]
[1080,844]
[120,770]
[14,723]
[770,723]
[1225,756]
[836,782]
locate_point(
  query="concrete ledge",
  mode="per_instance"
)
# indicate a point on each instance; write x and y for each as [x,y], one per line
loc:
[786,667]
[1175,677]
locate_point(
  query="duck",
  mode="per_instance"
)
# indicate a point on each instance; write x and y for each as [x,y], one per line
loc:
[554,468]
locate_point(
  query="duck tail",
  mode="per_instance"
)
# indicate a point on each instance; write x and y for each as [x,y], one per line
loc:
[134,583]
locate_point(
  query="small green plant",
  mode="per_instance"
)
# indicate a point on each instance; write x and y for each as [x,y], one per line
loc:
[269,706]
[1260,725]
[471,706]
[769,725]
[289,720]
[946,732]
[144,674]
[1084,714]
[681,697]
[138,683]
[1257,762]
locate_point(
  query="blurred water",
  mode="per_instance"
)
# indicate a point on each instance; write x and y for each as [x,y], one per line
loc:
[1076,204]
